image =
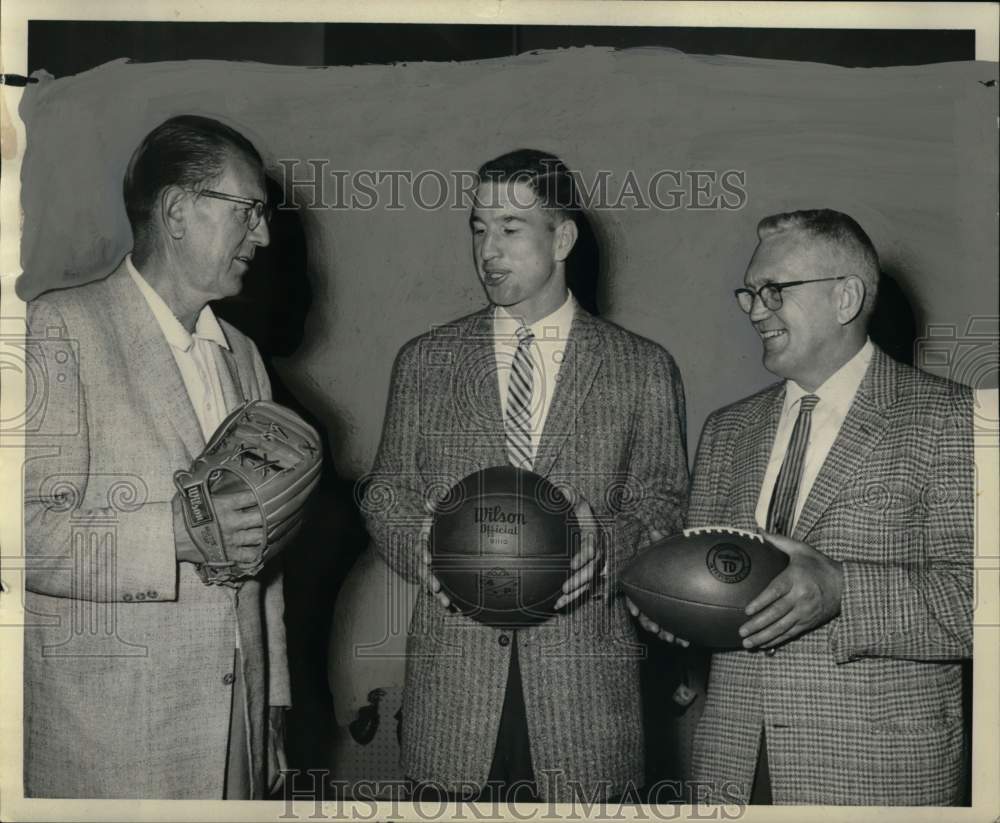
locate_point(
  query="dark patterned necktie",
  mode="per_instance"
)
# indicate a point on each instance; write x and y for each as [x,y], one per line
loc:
[519,389]
[781,512]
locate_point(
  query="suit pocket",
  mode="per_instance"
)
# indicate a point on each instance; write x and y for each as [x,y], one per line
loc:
[914,698]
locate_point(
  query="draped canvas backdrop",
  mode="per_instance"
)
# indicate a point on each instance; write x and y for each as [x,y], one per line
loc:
[909,152]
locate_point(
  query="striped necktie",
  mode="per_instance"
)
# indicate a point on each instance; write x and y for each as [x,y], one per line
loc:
[781,512]
[519,388]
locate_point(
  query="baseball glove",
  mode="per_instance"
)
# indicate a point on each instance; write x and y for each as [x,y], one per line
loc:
[263,448]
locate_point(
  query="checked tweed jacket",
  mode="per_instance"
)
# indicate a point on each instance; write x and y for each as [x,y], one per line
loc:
[128,664]
[615,436]
[866,709]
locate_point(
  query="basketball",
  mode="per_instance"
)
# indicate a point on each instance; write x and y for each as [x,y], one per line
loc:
[501,544]
[696,584]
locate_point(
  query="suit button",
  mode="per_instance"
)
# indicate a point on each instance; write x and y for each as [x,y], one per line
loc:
[228,678]
[504,640]
[127,598]
[152,594]
[140,595]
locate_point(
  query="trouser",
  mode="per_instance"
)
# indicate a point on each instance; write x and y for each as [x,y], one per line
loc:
[511,776]
[511,769]
[760,794]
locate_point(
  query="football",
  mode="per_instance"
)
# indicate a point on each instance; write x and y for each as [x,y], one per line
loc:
[696,584]
[501,545]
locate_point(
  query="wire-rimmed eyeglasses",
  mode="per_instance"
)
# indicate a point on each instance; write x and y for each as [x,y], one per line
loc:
[770,293]
[257,210]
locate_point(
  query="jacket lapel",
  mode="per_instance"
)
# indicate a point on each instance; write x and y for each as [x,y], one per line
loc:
[752,453]
[160,381]
[863,428]
[470,398]
[576,375]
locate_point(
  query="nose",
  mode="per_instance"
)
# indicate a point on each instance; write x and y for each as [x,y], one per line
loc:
[488,248]
[261,235]
[758,311]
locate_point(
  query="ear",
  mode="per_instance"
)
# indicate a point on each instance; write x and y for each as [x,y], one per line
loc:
[851,299]
[566,234]
[173,214]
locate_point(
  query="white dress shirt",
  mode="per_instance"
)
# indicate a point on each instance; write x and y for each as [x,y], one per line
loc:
[835,398]
[547,354]
[195,355]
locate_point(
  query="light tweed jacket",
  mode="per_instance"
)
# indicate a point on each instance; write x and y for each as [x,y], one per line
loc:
[614,434]
[866,710]
[128,656]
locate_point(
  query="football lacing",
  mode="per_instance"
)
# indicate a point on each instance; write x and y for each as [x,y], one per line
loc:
[722,530]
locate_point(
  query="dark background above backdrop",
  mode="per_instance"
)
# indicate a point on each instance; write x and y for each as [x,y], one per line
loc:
[64,47]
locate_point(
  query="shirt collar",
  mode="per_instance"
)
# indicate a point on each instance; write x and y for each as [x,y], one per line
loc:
[207,326]
[554,326]
[837,392]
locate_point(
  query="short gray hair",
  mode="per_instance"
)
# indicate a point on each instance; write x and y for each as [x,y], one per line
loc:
[838,229]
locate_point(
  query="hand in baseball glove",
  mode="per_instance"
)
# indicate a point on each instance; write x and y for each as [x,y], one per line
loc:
[271,458]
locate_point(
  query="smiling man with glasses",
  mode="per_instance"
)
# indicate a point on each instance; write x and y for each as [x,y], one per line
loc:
[187,699]
[770,293]
[849,688]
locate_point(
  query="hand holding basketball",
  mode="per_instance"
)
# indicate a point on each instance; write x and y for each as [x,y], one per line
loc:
[428,578]
[587,562]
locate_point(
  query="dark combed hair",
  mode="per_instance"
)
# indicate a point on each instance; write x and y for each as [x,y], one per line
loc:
[185,151]
[837,228]
[545,174]
[555,187]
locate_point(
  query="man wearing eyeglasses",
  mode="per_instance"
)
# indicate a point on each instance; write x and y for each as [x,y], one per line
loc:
[849,690]
[179,694]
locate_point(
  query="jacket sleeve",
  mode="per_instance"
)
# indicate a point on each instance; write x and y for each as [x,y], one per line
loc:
[657,464]
[393,504]
[921,610]
[86,536]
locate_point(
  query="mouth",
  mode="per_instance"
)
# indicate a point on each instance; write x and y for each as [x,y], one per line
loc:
[244,259]
[494,277]
[770,335]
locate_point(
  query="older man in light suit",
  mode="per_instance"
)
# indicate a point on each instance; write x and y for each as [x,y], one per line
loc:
[861,469]
[549,711]
[139,680]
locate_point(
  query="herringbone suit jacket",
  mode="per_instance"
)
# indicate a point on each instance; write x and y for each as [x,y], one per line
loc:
[865,710]
[128,666]
[615,435]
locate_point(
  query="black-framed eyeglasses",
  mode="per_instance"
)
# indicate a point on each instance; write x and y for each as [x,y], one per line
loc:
[770,293]
[257,210]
